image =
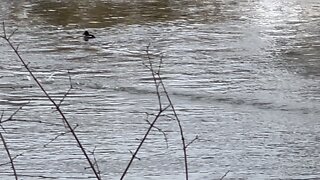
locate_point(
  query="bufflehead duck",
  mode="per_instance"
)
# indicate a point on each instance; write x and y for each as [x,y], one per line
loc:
[87,36]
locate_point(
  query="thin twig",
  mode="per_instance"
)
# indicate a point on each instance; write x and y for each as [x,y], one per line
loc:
[160,111]
[12,33]
[68,91]
[157,80]
[14,113]
[57,136]
[134,156]
[161,131]
[17,47]
[140,145]
[184,148]
[225,175]
[196,138]
[13,158]
[9,155]
[95,162]
[154,78]
[10,118]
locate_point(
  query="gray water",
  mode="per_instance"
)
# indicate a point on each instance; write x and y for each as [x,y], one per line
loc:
[243,75]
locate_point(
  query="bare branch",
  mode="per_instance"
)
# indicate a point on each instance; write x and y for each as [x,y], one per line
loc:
[68,91]
[59,135]
[13,158]
[141,143]
[95,161]
[56,105]
[157,79]
[225,175]
[134,155]
[12,34]
[184,147]
[161,131]
[196,138]
[10,118]
[14,113]
[9,156]
[17,47]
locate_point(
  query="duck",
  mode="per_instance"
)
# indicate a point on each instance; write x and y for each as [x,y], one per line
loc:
[87,36]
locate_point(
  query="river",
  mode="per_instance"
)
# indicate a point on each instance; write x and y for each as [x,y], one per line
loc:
[244,77]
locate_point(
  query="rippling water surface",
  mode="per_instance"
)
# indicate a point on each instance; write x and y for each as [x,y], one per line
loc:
[244,77]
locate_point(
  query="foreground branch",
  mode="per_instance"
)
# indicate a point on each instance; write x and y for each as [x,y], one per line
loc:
[160,88]
[56,106]
[9,155]
[141,142]
[157,77]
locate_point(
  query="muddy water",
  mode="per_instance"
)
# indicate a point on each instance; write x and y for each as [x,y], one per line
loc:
[243,75]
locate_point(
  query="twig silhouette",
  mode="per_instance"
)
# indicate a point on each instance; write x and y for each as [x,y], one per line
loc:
[157,116]
[160,88]
[6,146]
[224,175]
[156,76]
[95,162]
[68,91]
[12,119]
[161,131]
[57,136]
[15,49]
[192,141]
[134,154]
[9,155]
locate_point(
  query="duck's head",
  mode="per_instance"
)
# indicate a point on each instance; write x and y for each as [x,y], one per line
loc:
[86,33]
